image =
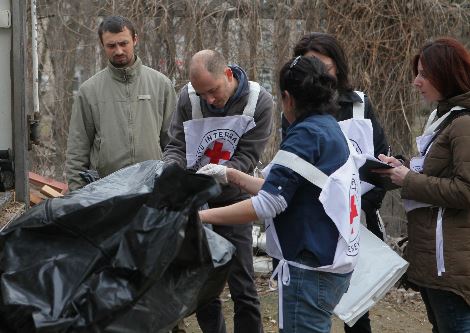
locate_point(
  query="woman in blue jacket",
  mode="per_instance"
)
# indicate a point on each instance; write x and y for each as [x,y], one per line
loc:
[306,233]
[327,48]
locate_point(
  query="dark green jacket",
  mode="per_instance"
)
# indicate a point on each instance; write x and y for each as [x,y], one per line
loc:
[120,117]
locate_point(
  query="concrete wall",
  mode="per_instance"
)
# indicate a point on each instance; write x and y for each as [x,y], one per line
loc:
[5,82]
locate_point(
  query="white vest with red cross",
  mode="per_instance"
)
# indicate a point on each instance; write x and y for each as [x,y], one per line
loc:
[360,133]
[215,139]
[341,200]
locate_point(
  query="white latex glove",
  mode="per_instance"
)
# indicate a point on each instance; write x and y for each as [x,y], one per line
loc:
[219,172]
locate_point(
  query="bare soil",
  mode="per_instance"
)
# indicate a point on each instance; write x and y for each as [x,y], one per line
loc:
[10,211]
[399,311]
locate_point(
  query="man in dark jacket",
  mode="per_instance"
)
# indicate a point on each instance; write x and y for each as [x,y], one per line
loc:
[223,118]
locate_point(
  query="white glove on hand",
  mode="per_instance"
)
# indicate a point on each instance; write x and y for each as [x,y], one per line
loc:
[219,172]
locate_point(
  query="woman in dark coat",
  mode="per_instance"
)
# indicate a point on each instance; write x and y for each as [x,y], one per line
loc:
[436,187]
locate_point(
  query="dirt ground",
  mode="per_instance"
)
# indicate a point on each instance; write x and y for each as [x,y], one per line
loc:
[10,211]
[399,311]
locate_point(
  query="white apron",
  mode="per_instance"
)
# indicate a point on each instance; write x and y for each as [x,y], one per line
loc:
[416,165]
[340,197]
[215,139]
[360,133]
[359,107]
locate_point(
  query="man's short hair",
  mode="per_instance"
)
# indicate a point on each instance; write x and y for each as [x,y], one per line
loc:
[115,24]
[215,63]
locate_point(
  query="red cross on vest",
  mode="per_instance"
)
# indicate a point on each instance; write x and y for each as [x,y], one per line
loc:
[353,211]
[216,153]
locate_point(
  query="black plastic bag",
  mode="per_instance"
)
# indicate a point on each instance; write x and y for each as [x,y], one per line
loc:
[120,255]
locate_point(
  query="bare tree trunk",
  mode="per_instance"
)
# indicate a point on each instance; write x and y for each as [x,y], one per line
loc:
[253,40]
[281,54]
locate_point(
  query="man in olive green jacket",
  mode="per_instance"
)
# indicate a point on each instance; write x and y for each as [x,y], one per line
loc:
[121,114]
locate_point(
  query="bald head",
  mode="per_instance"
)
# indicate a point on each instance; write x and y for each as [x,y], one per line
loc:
[211,78]
[207,60]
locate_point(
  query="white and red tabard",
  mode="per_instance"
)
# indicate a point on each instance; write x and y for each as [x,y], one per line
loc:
[358,129]
[360,135]
[215,139]
[340,197]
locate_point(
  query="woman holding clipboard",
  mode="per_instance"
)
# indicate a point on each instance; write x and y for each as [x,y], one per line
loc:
[436,187]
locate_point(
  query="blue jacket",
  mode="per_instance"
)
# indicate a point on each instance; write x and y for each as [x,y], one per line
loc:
[304,225]
[372,200]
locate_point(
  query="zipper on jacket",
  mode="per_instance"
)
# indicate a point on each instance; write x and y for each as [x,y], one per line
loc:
[130,119]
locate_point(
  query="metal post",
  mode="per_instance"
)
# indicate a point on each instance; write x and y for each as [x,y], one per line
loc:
[20,129]
[34,55]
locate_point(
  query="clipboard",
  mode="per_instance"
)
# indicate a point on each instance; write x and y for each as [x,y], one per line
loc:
[366,174]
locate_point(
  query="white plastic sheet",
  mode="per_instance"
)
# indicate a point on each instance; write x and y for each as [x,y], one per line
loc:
[377,270]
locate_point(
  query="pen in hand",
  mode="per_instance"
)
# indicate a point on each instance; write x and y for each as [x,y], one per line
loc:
[389,159]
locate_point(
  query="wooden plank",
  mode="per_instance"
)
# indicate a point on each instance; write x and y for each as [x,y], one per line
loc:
[35,197]
[50,192]
[39,180]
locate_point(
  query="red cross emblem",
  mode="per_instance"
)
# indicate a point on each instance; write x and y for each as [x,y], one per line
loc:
[216,153]
[353,211]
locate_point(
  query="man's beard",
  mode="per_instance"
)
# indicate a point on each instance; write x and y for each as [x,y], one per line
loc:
[119,64]
[123,64]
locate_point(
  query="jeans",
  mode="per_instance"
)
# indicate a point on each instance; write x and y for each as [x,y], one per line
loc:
[447,311]
[247,316]
[311,296]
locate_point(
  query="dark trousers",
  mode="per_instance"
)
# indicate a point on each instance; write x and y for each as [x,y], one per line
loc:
[447,311]
[373,224]
[247,315]
[361,326]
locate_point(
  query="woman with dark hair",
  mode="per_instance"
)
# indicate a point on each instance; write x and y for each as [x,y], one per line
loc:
[311,278]
[327,48]
[436,187]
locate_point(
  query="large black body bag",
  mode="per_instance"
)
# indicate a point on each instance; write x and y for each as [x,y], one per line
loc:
[124,254]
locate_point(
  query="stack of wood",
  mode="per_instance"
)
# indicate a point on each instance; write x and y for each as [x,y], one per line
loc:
[42,188]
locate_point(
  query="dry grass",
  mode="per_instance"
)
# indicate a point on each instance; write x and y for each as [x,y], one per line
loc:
[9,212]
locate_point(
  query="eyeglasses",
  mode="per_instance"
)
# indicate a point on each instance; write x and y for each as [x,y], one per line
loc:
[296,60]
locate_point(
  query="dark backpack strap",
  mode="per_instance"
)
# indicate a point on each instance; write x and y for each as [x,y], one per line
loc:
[454,115]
